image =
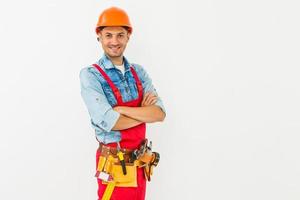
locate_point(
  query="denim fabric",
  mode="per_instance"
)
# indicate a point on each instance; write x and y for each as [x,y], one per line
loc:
[99,97]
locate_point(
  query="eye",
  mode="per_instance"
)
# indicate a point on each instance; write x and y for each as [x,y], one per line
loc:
[121,35]
[108,36]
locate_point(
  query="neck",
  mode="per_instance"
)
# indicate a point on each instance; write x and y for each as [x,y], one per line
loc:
[116,60]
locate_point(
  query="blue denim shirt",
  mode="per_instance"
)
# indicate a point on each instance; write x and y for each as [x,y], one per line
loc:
[99,97]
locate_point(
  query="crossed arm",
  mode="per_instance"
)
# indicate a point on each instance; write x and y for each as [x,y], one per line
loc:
[133,116]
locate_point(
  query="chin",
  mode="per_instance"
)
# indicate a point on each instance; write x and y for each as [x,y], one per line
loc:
[114,54]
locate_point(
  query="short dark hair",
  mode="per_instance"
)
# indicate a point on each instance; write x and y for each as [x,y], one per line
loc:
[128,29]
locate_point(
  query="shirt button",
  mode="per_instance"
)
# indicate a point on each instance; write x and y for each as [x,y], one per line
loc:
[103,123]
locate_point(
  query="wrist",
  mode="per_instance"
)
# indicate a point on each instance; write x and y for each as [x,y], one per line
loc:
[124,110]
[121,109]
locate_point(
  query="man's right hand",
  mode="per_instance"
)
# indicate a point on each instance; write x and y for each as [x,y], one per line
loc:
[149,99]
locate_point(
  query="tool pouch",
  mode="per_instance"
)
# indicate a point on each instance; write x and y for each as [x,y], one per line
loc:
[128,180]
[146,158]
[111,166]
[149,164]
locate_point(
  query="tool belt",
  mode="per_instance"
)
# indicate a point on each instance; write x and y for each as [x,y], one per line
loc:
[120,165]
[107,150]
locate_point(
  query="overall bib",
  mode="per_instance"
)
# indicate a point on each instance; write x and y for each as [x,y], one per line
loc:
[131,138]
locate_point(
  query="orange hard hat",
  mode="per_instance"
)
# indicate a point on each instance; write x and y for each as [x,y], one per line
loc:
[113,17]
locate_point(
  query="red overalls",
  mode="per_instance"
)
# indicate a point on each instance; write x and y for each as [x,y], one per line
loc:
[130,139]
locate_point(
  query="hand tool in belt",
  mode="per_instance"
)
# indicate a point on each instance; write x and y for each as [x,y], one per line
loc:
[146,158]
[121,158]
[101,170]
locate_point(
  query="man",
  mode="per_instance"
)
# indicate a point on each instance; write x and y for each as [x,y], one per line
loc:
[120,99]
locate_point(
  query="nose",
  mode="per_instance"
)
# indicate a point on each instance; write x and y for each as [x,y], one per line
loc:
[114,40]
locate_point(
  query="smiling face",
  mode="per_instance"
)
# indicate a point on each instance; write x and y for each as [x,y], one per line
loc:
[114,40]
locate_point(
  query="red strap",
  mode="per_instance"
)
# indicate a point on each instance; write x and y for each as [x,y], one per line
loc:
[111,84]
[138,82]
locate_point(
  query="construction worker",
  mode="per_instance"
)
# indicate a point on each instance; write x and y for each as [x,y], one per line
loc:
[120,99]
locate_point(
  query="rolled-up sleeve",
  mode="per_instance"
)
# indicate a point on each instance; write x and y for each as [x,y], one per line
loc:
[148,86]
[103,117]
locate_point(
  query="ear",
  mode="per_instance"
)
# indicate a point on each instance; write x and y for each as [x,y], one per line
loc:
[128,35]
[99,37]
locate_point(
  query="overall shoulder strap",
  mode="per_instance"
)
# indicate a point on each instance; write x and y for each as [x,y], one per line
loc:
[138,82]
[115,90]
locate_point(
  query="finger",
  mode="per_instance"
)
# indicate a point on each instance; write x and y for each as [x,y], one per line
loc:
[143,102]
[150,96]
[153,101]
[149,99]
[144,98]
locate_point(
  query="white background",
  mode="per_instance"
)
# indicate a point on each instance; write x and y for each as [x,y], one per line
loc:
[227,71]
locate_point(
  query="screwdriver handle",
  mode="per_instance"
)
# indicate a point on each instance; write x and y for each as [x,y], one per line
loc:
[122,161]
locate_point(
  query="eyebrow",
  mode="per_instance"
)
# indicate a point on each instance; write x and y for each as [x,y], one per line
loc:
[116,33]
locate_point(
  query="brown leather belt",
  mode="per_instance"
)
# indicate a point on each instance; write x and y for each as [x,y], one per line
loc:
[107,150]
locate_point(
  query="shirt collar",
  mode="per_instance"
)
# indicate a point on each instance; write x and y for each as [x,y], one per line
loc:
[107,64]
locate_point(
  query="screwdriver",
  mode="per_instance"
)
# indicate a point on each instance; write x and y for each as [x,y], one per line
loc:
[121,158]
